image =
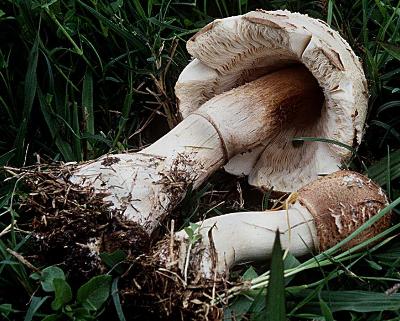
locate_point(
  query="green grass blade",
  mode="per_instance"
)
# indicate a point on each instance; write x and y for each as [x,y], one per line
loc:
[53,126]
[139,9]
[87,102]
[326,311]
[392,50]
[31,79]
[330,12]
[75,126]
[377,171]
[30,87]
[149,7]
[238,310]
[257,307]
[8,109]
[88,113]
[4,159]
[116,300]
[388,175]
[36,303]
[126,108]
[132,37]
[96,53]
[167,25]
[388,105]
[275,305]
[389,129]
[365,19]
[324,140]
[359,301]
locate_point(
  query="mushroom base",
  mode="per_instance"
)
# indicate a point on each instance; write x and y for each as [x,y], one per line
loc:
[155,288]
[73,227]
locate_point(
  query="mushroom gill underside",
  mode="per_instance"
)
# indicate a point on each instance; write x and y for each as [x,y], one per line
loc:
[281,161]
[229,52]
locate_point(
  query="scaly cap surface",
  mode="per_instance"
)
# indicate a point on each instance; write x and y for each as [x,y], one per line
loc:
[342,202]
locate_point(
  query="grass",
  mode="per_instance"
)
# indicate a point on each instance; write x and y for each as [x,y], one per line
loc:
[80,78]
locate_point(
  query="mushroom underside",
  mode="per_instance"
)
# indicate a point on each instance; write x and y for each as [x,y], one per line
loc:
[281,158]
[257,44]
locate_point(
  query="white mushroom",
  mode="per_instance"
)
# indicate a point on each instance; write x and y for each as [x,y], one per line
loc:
[326,211]
[229,52]
[148,184]
[225,118]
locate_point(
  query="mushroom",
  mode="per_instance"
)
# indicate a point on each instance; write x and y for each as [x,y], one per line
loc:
[253,86]
[326,211]
[148,184]
[186,272]
[229,52]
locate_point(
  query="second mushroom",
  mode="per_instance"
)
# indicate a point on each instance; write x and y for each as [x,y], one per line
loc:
[324,213]
[190,271]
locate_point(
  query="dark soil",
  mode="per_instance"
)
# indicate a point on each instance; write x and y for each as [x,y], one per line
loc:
[71,224]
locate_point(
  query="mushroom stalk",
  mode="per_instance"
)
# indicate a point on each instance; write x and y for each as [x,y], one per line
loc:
[148,184]
[248,236]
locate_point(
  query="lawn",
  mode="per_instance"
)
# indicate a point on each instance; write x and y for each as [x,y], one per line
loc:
[82,78]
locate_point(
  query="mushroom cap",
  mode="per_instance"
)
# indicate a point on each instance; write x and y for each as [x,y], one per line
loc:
[232,51]
[345,200]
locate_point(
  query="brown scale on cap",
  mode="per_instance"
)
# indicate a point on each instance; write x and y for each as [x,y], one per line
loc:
[344,201]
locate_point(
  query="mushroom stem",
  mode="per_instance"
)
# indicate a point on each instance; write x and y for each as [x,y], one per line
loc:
[193,146]
[248,236]
[148,184]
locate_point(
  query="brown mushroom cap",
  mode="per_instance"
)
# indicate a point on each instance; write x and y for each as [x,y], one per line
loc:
[232,51]
[345,200]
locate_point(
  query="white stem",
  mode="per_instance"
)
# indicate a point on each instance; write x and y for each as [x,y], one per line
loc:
[249,236]
[194,143]
[148,184]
